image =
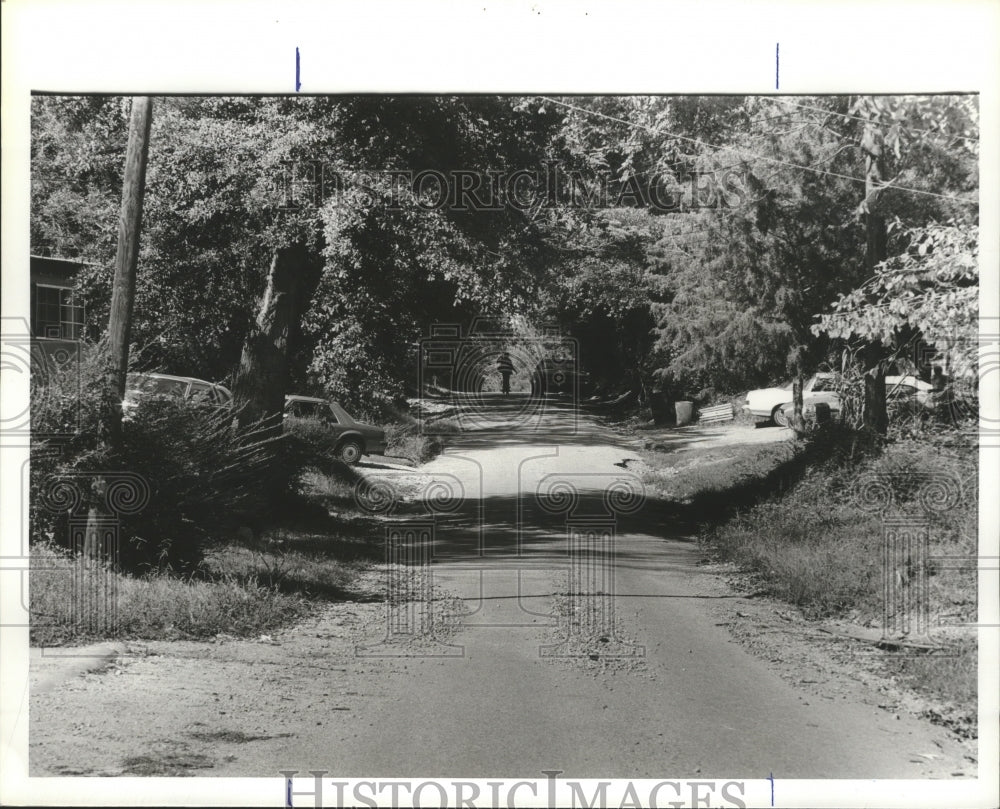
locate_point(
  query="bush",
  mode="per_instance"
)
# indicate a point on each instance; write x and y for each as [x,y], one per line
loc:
[315,446]
[405,441]
[184,475]
[66,406]
[206,477]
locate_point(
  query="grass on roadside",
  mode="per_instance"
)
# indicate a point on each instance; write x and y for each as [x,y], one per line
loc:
[820,546]
[418,442]
[64,609]
[682,476]
[950,680]
[242,588]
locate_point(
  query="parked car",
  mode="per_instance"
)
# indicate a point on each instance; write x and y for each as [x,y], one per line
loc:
[768,404]
[821,388]
[558,375]
[185,388]
[909,387]
[355,438]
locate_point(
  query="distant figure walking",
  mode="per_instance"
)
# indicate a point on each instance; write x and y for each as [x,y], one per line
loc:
[506,367]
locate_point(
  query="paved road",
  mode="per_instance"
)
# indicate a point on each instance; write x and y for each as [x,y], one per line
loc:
[569,626]
[677,694]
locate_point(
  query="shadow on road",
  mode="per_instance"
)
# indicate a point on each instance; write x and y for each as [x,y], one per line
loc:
[492,420]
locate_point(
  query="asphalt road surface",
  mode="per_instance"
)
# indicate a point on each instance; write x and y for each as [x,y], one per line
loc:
[546,615]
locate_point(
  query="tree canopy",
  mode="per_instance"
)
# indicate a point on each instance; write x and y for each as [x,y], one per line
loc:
[696,244]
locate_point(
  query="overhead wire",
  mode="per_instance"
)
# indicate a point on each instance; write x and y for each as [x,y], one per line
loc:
[765,158]
[907,127]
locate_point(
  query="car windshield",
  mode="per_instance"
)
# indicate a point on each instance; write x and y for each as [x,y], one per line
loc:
[158,385]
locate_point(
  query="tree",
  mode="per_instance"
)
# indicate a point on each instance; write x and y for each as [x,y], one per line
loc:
[716,291]
[744,276]
[927,294]
[929,145]
[600,294]
[397,260]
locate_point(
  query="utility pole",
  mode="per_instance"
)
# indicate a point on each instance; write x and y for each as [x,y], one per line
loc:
[874,414]
[122,299]
[127,257]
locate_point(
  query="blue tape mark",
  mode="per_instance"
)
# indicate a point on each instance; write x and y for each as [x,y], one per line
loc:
[770,778]
[777,48]
[298,70]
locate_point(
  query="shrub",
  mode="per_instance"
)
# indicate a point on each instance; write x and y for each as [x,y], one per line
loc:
[206,477]
[405,441]
[66,406]
[203,475]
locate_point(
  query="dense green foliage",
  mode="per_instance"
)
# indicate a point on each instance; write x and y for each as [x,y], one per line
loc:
[687,243]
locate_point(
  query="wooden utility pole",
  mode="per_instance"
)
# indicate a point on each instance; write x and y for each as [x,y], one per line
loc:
[874,414]
[122,299]
[127,257]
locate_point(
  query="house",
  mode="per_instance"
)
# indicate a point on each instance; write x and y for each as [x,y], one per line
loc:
[56,311]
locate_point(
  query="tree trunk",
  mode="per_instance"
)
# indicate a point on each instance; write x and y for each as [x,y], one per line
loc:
[262,378]
[798,421]
[874,416]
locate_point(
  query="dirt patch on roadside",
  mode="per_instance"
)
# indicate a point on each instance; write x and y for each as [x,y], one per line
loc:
[221,704]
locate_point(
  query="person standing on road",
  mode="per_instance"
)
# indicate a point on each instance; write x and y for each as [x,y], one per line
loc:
[506,367]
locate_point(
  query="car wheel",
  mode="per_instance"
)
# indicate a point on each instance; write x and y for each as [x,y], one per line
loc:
[780,417]
[350,451]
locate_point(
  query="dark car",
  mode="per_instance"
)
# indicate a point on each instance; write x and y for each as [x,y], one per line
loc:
[355,438]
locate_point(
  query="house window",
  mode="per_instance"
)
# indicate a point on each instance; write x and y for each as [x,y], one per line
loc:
[57,313]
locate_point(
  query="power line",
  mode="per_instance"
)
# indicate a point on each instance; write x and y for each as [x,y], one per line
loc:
[765,158]
[867,120]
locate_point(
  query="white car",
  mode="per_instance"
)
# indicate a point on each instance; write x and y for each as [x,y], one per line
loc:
[768,404]
[904,387]
[775,404]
